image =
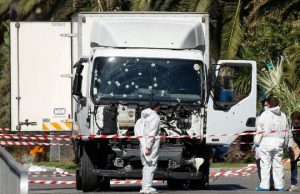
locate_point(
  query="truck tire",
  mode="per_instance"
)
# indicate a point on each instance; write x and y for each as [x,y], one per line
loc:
[88,180]
[78,153]
[175,184]
[204,182]
[78,180]
[89,159]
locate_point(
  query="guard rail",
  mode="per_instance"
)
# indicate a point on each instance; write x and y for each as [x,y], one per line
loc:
[13,176]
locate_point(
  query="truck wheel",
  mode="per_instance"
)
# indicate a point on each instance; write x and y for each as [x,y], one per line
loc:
[89,159]
[204,182]
[176,184]
[199,184]
[77,151]
[78,180]
[88,180]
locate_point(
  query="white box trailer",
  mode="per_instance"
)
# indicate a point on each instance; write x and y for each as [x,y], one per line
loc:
[40,93]
[123,61]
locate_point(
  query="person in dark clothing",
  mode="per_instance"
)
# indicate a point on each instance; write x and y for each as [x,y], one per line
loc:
[294,149]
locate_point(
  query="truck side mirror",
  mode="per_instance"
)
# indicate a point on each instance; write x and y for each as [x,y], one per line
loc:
[76,88]
[77,83]
[82,101]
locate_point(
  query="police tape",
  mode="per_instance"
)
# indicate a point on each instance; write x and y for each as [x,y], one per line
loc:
[37,137]
[16,143]
[50,182]
[235,172]
[238,172]
[6,143]
[128,182]
[118,136]
[4,129]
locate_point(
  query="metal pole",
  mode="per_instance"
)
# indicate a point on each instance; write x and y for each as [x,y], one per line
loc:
[17,25]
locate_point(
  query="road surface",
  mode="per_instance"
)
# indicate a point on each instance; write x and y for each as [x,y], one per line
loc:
[224,185]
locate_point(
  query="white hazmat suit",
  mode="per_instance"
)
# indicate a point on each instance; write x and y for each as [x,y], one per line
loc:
[271,145]
[148,126]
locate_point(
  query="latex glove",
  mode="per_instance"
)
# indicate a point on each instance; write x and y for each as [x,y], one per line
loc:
[254,146]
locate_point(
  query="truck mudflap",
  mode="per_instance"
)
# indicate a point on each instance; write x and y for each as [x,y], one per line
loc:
[137,174]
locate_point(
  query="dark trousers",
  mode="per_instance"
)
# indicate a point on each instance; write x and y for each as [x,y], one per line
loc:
[258,169]
[294,171]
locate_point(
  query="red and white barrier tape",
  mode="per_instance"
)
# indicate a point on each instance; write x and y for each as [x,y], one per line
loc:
[6,143]
[46,182]
[244,171]
[117,136]
[34,137]
[237,172]
[4,129]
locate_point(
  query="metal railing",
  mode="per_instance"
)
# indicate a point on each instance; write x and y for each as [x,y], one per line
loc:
[13,176]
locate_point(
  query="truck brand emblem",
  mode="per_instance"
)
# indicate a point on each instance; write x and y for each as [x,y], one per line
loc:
[59,111]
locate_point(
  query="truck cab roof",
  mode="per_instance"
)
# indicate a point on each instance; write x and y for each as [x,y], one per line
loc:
[148,53]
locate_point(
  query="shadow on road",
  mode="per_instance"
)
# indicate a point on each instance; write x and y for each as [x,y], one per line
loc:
[226,187]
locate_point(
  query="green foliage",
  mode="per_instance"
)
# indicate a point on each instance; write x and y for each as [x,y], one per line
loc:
[140,5]
[28,6]
[232,33]
[4,79]
[203,5]
[274,83]
[292,67]
[268,41]
[4,5]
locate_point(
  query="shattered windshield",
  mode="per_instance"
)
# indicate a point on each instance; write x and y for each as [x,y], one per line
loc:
[145,79]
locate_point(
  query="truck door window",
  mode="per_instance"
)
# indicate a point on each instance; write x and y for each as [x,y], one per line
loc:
[233,85]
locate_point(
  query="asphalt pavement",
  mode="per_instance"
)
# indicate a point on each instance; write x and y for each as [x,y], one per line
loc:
[224,185]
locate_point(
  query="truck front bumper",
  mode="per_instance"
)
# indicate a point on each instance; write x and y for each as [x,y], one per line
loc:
[137,174]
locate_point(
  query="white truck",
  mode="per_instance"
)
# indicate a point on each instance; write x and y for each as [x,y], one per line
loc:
[120,62]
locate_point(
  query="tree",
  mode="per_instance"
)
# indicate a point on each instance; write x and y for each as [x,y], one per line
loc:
[4,79]
[274,83]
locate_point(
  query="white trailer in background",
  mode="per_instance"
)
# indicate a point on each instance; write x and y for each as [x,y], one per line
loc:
[40,95]
[130,60]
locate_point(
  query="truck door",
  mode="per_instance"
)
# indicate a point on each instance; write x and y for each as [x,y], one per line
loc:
[40,94]
[232,100]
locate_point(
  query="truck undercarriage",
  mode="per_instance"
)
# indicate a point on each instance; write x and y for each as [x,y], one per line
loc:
[183,162]
[99,161]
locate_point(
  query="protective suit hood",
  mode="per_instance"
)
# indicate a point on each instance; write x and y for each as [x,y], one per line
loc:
[276,110]
[147,114]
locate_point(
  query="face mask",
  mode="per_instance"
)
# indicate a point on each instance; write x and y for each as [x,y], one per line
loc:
[266,108]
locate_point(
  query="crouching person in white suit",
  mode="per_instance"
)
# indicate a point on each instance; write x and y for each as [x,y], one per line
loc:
[148,126]
[272,142]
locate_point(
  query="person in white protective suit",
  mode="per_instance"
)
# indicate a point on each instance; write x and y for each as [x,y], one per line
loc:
[148,126]
[272,142]
[265,106]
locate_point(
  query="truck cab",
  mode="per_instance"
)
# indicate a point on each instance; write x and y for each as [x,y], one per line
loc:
[120,63]
[140,58]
